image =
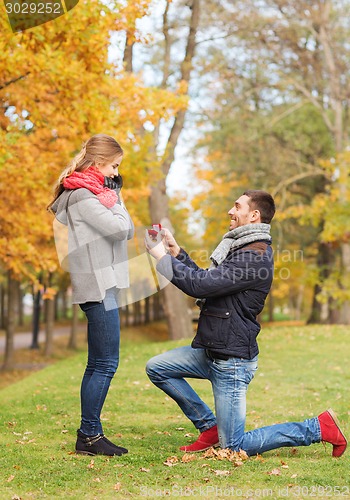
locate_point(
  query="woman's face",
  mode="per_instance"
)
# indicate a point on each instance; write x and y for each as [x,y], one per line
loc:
[110,169]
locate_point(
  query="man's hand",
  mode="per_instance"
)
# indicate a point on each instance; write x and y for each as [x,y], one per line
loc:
[155,247]
[169,242]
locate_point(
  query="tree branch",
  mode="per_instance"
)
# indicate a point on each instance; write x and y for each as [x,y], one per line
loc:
[312,99]
[167,46]
[14,80]
[295,178]
[186,68]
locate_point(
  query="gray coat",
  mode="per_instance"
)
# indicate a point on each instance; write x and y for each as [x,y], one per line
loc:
[97,244]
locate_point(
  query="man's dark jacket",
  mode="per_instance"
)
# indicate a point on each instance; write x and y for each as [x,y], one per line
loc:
[235,294]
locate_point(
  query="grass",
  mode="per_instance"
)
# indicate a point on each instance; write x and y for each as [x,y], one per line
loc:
[302,371]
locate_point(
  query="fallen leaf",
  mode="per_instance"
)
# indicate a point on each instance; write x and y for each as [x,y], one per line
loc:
[97,480]
[293,476]
[64,431]
[143,469]
[91,464]
[10,478]
[189,434]
[180,428]
[188,458]
[236,457]
[171,461]
[222,472]
[274,472]
[117,486]
[41,407]
[237,463]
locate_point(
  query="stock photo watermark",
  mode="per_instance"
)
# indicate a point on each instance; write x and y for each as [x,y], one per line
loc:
[233,492]
[26,14]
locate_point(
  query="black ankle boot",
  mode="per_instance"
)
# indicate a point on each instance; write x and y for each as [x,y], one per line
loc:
[95,445]
[120,449]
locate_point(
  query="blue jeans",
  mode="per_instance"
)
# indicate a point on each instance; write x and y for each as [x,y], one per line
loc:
[103,358]
[230,380]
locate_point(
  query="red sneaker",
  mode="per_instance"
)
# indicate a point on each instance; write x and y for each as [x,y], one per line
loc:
[331,432]
[206,440]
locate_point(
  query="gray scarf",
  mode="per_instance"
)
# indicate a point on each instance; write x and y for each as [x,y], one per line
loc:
[235,239]
[238,238]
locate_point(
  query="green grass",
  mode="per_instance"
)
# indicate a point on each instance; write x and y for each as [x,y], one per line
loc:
[302,371]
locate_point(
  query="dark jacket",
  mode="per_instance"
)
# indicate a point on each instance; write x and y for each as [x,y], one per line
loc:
[235,294]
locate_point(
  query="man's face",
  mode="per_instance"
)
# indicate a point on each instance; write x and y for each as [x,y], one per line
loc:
[241,213]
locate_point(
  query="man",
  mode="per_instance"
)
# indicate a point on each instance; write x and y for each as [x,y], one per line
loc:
[232,293]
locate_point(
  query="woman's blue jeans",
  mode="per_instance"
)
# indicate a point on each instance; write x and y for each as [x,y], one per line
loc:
[103,358]
[230,380]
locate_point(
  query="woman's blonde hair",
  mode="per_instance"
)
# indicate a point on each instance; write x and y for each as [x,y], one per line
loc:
[99,149]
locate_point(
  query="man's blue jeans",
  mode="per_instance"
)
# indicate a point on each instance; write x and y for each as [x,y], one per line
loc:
[230,380]
[103,359]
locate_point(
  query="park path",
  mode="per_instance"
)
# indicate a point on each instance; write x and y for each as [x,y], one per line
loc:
[24,339]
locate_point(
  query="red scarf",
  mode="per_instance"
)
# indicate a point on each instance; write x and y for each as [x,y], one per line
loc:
[92,179]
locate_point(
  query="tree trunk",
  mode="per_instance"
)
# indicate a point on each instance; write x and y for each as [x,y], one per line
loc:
[36,319]
[57,301]
[128,55]
[344,313]
[147,310]
[325,260]
[12,302]
[157,308]
[49,326]
[173,300]
[73,342]
[2,307]
[299,302]
[271,306]
[20,305]
[175,307]
[64,305]
[137,313]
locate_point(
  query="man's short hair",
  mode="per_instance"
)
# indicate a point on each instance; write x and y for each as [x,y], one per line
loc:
[262,201]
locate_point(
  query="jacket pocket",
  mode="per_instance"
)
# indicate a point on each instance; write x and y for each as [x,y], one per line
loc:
[214,327]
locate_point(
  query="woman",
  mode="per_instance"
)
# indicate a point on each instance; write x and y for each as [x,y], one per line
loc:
[87,201]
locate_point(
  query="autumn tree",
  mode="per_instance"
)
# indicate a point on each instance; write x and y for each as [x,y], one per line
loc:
[57,88]
[171,58]
[285,61]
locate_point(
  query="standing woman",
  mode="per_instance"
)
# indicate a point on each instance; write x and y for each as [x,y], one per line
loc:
[87,200]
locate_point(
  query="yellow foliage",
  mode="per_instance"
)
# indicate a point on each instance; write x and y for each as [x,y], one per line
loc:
[57,88]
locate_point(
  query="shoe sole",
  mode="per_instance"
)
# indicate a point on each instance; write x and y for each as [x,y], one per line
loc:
[337,423]
[78,452]
[203,449]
